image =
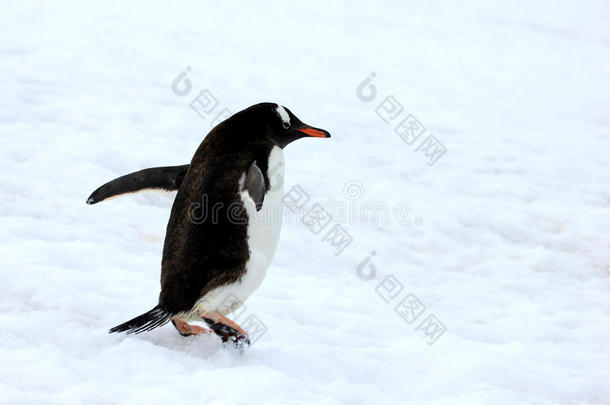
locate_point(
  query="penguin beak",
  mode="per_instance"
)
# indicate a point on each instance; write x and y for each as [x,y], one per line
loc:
[315,132]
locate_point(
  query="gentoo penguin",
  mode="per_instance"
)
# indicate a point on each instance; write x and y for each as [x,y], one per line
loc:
[225,221]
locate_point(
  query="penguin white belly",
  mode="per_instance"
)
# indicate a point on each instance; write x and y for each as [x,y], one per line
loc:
[263,235]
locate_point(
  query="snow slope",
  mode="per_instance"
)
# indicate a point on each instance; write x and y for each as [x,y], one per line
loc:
[507,240]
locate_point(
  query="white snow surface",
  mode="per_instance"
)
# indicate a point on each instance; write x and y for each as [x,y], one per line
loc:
[508,240]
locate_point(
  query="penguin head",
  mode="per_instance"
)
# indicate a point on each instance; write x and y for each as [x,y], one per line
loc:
[279,126]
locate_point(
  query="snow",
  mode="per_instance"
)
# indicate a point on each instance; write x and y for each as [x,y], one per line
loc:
[504,239]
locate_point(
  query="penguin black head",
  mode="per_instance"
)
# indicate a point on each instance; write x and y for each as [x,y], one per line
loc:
[277,124]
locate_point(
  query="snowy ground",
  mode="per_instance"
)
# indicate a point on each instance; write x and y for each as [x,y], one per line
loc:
[508,236]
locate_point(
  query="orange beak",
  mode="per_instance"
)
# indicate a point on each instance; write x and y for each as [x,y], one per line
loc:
[315,133]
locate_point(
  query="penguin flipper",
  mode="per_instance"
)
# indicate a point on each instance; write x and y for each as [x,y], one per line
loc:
[166,178]
[255,184]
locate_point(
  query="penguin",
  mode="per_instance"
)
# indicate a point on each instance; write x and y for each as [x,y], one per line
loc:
[224,224]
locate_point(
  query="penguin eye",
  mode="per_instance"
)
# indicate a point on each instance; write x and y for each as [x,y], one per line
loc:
[286,125]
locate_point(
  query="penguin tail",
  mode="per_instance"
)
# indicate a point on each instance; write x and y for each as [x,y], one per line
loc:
[147,321]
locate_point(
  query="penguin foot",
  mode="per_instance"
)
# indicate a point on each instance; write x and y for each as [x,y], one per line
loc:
[239,342]
[186,329]
[229,331]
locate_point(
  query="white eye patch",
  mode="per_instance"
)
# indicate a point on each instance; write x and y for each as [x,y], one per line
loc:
[281,111]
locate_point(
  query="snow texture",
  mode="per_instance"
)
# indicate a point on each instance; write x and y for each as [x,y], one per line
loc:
[504,239]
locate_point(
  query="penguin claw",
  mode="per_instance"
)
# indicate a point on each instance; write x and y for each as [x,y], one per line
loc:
[239,342]
[229,335]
